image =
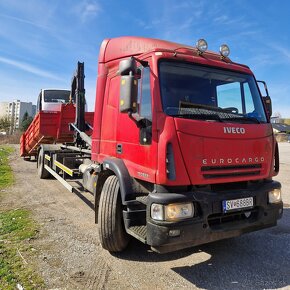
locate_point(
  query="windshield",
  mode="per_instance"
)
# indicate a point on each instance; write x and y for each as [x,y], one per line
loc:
[56,96]
[198,92]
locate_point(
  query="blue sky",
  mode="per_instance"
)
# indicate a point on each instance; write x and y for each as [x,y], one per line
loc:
[41,41]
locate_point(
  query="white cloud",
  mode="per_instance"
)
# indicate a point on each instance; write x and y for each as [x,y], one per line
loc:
[282,50]
[262,60]
[22,20]
[29,68]
[87,9]
[187,23]
[221,19]
[34,12]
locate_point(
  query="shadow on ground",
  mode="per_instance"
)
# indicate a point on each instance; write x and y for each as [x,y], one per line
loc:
[259,260]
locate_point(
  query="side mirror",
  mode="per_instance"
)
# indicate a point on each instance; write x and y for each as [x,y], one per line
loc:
[126,66]
[129,85]
[266,98]
[268,105]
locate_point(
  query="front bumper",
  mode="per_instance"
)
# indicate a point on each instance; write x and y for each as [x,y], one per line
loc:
[210,223]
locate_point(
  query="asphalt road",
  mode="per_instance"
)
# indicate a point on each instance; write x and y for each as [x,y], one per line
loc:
[69,255]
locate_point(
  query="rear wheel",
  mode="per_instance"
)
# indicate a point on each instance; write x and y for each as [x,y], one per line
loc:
[42,172]
[112,232]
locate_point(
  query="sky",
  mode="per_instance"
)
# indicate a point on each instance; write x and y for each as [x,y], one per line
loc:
[41,41]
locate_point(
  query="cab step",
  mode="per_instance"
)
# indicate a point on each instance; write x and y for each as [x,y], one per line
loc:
[139,200]
[142,199]
[138,232]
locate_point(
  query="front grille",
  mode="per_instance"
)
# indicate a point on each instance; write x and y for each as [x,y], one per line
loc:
[217,220]
[230,170]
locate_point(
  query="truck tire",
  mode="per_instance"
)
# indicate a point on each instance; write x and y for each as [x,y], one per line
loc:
[112,232]
[42,172]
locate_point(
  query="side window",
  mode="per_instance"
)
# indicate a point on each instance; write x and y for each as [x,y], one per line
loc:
[144,96]
[229,95]
[39,103]
[249,105]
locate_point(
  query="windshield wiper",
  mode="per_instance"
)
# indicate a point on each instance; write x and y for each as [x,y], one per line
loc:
[242,119]
[199,117]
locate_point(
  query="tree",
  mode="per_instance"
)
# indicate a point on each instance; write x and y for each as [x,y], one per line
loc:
[5,125]
[277,115]
[277,118]
[26,121]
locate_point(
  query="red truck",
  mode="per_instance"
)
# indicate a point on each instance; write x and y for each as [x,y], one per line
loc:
[182,151]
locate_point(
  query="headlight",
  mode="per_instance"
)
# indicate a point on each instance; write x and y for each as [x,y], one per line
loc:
[178,211]
[224,50]
[275,195]
[157,212]
[172,212]
[201,45]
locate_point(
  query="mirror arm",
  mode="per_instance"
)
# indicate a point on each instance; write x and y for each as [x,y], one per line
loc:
[138,122]
[265,86]
[144,63]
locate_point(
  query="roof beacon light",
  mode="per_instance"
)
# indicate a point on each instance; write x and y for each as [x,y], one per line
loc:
[201,45]
[224,50]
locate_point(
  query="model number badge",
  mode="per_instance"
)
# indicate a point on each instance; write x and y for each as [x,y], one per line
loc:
[143,174]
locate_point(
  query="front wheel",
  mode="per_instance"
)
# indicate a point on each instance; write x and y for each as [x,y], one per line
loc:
[112,232]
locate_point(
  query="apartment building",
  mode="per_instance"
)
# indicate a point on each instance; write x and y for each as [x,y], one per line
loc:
[15,111]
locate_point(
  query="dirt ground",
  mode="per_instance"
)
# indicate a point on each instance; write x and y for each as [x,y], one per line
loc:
[69,255]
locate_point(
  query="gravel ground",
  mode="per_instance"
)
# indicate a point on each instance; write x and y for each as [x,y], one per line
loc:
[69,255]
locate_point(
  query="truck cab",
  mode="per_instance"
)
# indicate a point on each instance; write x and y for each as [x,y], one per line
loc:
[52,99]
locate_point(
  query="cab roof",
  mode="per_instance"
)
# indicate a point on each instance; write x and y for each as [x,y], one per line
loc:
[120,47]
[126,46]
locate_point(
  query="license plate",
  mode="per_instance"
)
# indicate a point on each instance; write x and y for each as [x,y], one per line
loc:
[236,204]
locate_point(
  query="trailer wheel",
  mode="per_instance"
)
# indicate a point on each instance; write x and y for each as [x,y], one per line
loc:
[112,232]
[42,172]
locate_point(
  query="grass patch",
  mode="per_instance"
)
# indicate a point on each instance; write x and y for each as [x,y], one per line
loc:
[6,176]
[16,229]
